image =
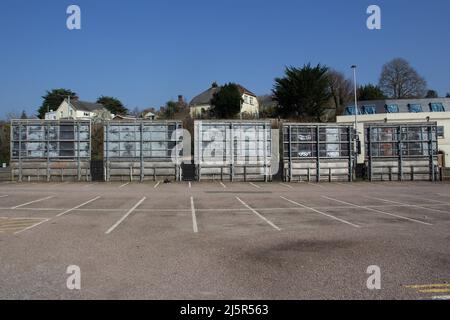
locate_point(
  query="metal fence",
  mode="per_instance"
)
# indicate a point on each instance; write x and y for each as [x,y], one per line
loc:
[402,151]
[317,152]
[233,150]
[50,150]
[142,150]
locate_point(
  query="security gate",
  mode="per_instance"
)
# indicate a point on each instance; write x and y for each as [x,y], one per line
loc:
[402,151]
[317,152]
[97,170]
[142,150]
[233,150]
[50,150]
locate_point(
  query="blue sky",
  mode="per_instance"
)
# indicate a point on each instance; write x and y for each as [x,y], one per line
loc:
[147,52]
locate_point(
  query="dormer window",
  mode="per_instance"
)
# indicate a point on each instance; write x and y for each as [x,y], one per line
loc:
[371,109]
[415,108]
[392,108]
[437,107]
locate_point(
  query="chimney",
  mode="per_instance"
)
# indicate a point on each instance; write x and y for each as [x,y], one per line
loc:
[180,99]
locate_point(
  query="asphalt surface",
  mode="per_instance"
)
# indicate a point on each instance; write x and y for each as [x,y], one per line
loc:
[210,240]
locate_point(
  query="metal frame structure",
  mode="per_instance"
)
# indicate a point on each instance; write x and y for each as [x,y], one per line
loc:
[323,151]
[140,149]
[55,145]
[402,151]
[245,148]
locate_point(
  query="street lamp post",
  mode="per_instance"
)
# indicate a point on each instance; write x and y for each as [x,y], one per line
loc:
[356,138]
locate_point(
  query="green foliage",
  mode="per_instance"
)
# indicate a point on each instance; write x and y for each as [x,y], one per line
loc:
[113,105]
[53,99]
[370,92]
[432,94]
[303,93]
[170,110]
[226,103]
[448,95]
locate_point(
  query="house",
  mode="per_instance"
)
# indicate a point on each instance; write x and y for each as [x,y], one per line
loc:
[123,118]
[202,103]
[72,108]
[148,114]
[403,111]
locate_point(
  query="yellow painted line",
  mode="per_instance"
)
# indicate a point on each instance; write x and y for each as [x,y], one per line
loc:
[435,291]
[424,286]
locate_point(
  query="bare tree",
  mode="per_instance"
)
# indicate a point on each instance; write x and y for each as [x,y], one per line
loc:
[399,80]
[341,90]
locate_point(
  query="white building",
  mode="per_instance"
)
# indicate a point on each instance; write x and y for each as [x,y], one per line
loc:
[202,103]
[76,109]
[403,111]
[51,115]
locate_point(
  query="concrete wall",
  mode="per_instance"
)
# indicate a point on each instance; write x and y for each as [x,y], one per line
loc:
[130,170]
[58,171]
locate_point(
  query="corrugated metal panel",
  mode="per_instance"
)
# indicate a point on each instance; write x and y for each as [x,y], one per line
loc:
[317,152]
[43,146]
[142,150]
[234,150]
[402,151]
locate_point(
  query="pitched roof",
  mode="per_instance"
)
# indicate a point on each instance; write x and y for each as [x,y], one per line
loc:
[205,97]
[86,106]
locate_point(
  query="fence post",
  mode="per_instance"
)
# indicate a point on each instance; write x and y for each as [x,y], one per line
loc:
[329,175]
[412,173]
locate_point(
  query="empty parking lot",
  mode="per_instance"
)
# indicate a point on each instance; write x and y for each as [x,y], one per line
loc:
[219,240]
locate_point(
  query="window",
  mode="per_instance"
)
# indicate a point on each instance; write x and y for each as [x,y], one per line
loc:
[437,107]
[350,111]
[86,114]
[440,132]
[369,109]
[415,108]
[392,108]
[251,100]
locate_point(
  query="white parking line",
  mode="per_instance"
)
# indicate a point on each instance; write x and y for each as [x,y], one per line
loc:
[194,218]
[124,185]
[259,215]
[322,213]
[286,185]
[440,298]
[125,216]
[222,184]
[4,196]
[38,200]
[409,205]
[255,185]
[157,184]
[77,207]
[31,227]
[378,211]
[190,186]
